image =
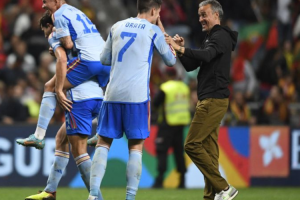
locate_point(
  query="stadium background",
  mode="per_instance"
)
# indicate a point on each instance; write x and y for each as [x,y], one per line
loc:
[259,138]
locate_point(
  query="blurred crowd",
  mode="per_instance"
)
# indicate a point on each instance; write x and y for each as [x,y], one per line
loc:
[265,72]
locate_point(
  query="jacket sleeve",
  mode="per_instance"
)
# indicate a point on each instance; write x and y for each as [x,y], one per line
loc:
[214,47]
[188,63]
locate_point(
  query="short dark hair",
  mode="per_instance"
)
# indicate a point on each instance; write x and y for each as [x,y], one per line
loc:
[215,6]
[46,19]
[144,6]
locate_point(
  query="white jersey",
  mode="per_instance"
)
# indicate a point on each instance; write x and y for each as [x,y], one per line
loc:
[86,91]
[129,50]
[88,42]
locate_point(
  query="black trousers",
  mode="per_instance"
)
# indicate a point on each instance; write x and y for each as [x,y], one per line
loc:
[170,136]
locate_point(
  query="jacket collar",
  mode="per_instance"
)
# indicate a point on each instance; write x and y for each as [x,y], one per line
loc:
[214,29]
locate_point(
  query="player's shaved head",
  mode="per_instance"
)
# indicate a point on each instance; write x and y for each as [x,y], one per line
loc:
[144,6]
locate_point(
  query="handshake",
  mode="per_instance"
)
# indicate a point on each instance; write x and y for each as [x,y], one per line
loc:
[177,42]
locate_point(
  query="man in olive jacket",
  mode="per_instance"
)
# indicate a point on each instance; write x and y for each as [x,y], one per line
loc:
[213,58]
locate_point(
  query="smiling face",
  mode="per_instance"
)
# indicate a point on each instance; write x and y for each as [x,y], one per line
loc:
[50,5]
[208,18]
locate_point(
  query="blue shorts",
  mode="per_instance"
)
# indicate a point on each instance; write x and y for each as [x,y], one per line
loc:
[79,71]
[79,120]
[132,119]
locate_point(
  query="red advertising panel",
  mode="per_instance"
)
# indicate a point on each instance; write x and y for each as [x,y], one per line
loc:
[269,151]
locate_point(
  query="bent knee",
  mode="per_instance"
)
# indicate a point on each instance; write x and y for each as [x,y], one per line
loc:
[48,87]
[191,147]
[187,148]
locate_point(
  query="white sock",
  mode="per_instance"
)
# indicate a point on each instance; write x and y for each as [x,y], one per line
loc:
[39,133]
[47,110]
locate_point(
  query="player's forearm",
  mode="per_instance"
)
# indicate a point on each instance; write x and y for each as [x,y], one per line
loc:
[166,51]
[60,76]
[169,58]
[66,42]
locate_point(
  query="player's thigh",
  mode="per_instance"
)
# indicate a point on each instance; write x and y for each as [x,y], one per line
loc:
[79,71]
[96,109]
[110,121]
[67,84]
[50,85]
[136,120]
[79,119]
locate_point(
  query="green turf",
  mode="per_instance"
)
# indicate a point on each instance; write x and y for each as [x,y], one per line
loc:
[150,194]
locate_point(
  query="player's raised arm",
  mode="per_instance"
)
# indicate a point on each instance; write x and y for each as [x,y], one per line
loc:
[63,32]
[166,51]
[61,72]
[106,54]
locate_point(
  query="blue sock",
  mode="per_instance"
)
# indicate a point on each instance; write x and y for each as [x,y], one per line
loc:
[84,164]
[60,162]
[47,110]
[98,169]
[134,171]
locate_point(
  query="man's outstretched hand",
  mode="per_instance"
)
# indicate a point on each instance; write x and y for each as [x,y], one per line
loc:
[179,40]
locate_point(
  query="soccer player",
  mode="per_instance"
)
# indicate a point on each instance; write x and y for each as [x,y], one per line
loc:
[74,30]
[126,106]
[87,99]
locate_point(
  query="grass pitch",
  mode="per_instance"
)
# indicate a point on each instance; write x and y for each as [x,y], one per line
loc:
[157,194]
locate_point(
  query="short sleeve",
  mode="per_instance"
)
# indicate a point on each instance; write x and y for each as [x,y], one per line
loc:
[53,42]
[62,26]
